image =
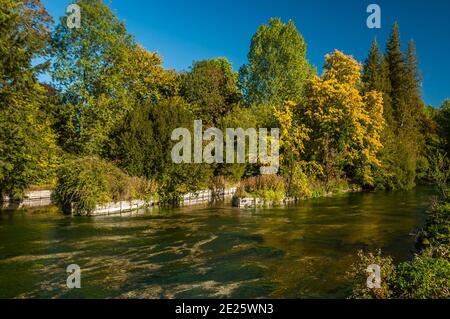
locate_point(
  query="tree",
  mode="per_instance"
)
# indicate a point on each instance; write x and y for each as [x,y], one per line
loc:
[396,73]
[277,67]
[145,78]
[372,76]
[243,117]
[294,134]
[344,124]
[28,151]
[397,76]
[103,74]
[131,142]
[414,79]
[87,68]
[147,84]
[443,119]
[142,146]
[211,86]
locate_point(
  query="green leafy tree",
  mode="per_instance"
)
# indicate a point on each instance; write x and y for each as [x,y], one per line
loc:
[103,74]
[277,67]
[211,86]
[443,119]
[28,151]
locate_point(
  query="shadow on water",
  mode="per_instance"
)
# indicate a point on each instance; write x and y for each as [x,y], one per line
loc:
[302,251]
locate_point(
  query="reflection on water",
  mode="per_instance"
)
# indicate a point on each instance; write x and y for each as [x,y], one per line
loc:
[301,251]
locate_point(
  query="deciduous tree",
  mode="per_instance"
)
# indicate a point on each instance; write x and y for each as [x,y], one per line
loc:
[277,67]
[28,151]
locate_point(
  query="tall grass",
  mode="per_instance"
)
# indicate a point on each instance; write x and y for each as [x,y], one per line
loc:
[269,187]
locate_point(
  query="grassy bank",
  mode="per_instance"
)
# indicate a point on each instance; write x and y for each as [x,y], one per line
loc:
[275,188]
[88,182]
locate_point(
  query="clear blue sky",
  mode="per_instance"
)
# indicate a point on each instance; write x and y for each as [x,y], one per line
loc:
[183,31]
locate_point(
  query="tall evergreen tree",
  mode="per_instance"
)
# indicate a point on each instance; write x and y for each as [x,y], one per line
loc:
[372,72]
[413,81]
[412,67]
[396,72]
[397,76]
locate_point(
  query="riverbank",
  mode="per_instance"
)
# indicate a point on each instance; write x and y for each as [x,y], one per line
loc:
[274,190]
[258,202]
[43,198]
[31,198]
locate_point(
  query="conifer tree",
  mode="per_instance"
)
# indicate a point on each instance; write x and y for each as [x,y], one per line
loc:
[372,72]
[396,73]
[397,76]
[413,80]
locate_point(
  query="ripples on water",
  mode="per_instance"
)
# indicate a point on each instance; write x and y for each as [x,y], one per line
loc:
[301,251]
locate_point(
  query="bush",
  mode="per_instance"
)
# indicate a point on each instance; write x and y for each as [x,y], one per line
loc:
[90,181]
[424,278]
[300,183]
[427,276]
[437,229]
[358,274]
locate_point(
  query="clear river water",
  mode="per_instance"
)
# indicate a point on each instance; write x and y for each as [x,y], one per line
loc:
[301,251]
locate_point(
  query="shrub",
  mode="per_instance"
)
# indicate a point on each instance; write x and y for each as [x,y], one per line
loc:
[437,229]
[424,278]
[427,276]
[90,181]
[300,183]
[358,274]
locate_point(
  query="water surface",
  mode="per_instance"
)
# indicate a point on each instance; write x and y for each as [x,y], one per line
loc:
[302,251]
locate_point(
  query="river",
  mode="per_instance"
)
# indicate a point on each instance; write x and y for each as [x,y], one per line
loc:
[302,251]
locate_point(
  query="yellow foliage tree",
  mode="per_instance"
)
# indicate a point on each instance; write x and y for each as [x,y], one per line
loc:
[146,76]
[293,133]
[293,136]
[345,124]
